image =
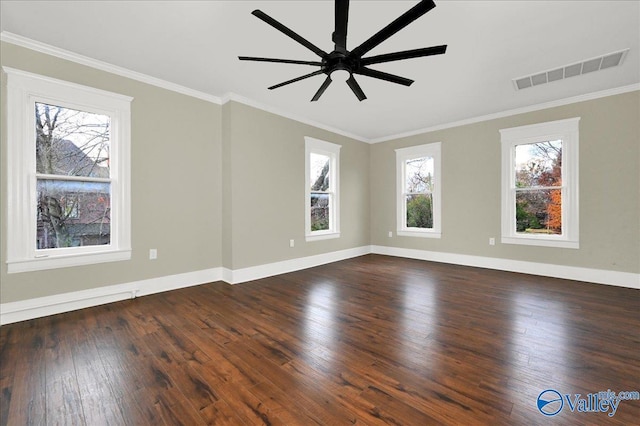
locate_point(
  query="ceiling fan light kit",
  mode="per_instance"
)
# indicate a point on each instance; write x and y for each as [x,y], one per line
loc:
[341,64]
[340,75]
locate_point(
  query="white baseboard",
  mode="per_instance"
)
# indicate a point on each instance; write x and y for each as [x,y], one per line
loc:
[268,270]
[597,276]
[42,306]
[50,305]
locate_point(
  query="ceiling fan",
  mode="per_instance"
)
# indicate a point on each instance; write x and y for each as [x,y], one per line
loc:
[342,64]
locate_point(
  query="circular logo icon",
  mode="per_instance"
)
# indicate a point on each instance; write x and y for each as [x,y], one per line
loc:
[550,402]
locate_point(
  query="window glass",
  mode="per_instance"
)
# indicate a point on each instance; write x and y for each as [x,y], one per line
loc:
[319,168]
[72,213]
[319,211]
[419,187]
[419,175]
[538,170]
[70,142]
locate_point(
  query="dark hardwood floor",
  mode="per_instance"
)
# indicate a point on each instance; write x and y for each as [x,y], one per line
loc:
[372,340]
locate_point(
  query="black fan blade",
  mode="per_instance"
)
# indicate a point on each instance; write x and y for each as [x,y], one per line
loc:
[322,88]
[355,87]
[342,18]
[296,79]
[406,54]
[405,19]
[384,76]
[288,32]
[284,61]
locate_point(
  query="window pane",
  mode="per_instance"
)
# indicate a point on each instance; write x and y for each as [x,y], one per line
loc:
[419,211]
[319,170]
[71,142]
[319,212]
[539,164]
[73,214]
[539,211]
[419,175]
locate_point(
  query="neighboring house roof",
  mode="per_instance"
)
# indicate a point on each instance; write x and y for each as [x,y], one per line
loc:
[69,160]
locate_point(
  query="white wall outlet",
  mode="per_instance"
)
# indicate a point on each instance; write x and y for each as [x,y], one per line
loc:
[492,241]
[153,254]
[292,243]
[390,234]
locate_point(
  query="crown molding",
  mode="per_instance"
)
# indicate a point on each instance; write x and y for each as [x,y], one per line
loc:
[47,49]
[268,108]
[510,112]
[57,52]
[230,96]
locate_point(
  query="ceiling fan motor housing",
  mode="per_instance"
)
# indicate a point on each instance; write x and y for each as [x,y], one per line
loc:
[339,61]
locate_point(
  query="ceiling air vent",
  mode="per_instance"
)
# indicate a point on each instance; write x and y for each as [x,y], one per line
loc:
[590,65]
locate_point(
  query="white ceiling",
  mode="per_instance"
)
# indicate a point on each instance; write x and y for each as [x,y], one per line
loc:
[196,43]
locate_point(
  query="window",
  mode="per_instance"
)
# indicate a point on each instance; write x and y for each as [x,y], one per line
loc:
[322,180]
[540,184]
[68,174]
[419,185]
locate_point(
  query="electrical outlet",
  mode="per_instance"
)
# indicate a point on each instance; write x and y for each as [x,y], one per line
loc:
[390,234]
[153,254]
[292,243]
[492,241]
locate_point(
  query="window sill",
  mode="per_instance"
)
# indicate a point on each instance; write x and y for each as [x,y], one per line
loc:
[420,234]
[322,236]
[543,242]
[54,262]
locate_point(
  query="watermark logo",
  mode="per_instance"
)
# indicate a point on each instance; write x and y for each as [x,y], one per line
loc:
[550,402]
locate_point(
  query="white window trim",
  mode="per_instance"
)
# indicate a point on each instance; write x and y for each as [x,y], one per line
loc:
[332,151]
[23,90]
[433,150]
[567,131]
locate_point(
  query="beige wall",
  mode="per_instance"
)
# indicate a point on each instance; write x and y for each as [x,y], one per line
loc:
[203,204]
[609,187]
[175,188]
[223,185]
[264,189]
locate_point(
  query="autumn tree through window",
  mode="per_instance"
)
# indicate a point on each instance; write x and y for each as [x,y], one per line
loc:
[538,176]
[540,184]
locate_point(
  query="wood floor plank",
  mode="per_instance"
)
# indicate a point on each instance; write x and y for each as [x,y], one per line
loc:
[28,391]
[372,340]
[63,399]
[99,404]
[220,414]
[10,355]
[193,386]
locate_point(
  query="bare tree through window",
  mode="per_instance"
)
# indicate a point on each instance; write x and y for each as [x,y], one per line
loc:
[320,196]
[73,177]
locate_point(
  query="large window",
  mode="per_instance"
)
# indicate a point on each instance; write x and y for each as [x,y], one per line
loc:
[322,165]
[418,195]
[68,174]
[540,184]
